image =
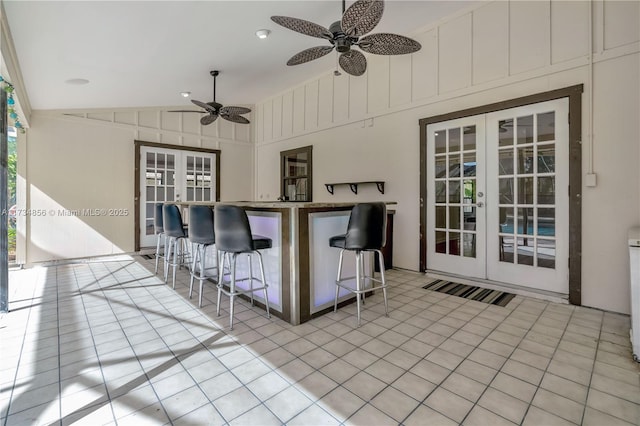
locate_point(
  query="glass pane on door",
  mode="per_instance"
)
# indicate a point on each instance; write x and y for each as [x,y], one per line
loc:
[199,177]
[527,193]
[454,163]
[158,185]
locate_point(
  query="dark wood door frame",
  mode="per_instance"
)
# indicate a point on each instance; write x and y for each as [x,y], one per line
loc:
[574,94]
[136,186]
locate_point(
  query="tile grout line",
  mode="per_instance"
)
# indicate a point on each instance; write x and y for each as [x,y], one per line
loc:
[80,293]
[488,385]
[555,350]
[395,347]
[278,346]
[90,328]
[59,355]
[24,338]
[595,357]
[438,385]
[197,383]
[148,379]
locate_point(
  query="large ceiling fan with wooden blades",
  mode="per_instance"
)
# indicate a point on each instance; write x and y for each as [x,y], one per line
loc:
[214,109]
[361,17]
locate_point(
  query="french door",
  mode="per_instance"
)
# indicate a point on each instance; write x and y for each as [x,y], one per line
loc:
[169,175]
[497,196]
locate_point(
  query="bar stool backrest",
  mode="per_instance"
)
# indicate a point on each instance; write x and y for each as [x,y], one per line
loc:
[201,225]
[172,221]
[367,227]
[232,229]
[158,225]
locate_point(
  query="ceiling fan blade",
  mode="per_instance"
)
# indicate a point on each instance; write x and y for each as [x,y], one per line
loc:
[303,27]
[388,44]
[361,17]
[234,110]
[186,110]
[208,119]
[203,105]
[236,119]
[353,62]
[309,55]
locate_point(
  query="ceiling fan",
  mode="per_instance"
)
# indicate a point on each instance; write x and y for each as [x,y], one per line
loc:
[361,17]
[214,109]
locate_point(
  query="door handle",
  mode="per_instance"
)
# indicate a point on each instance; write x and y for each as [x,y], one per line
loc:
[480,204]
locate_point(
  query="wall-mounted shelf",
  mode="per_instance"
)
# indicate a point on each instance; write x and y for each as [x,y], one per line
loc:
[354,185]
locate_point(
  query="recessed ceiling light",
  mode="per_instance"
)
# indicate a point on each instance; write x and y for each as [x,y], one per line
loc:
[262,34]
[185,94]
[77,81]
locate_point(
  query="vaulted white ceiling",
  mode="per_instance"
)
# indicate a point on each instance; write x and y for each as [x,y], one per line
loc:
[144,53]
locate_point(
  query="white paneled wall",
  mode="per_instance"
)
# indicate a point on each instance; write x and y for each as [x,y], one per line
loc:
[494,44]
[490,34]
[454,54]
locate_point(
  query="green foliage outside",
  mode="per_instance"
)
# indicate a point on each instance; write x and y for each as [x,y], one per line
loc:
[12,161]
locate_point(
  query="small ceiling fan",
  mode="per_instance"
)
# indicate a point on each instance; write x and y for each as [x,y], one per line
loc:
[214,109]
[361,17]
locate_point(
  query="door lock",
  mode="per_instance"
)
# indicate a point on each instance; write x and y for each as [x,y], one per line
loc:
[480,194]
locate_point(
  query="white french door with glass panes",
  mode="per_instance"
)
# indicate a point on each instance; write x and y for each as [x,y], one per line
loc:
[170,175]
[497,196]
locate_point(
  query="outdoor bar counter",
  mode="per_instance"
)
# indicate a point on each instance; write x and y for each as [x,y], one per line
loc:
[301,267]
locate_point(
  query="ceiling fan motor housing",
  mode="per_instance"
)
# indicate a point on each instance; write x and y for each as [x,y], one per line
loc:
[340,39]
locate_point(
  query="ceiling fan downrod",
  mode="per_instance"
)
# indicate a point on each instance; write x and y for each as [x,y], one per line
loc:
[214,74]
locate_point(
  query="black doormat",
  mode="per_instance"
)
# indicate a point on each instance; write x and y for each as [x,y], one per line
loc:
[147,256]
[493,297]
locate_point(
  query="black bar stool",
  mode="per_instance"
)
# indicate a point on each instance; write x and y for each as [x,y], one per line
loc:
[159,230]
[201,236]
[175,233]
[366,232]
[233,237]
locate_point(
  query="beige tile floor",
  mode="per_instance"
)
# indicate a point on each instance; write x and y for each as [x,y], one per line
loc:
[107,342]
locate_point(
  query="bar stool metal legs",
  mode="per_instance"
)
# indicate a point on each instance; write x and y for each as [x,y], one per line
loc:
[161,237]
[366,233]
[176,249]
[234,237]
[360,281]
[233,291]
[158,224]
[199,256]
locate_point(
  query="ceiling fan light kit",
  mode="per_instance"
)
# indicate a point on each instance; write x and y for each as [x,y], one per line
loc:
[214,109]
[361,17]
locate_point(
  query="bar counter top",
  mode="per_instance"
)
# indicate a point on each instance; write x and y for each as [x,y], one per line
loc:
[277,204]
